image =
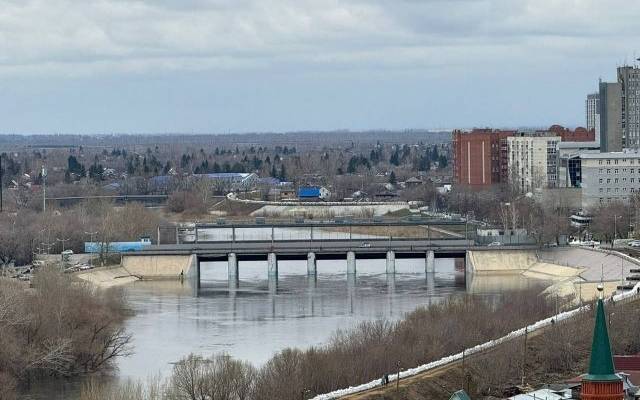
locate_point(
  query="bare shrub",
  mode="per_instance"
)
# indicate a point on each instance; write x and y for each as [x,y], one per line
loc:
[218,377]
[59,328]
[186,201]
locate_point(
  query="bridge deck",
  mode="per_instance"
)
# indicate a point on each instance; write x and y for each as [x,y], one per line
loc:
[362,247]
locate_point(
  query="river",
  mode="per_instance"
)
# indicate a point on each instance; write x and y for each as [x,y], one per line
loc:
[260,317]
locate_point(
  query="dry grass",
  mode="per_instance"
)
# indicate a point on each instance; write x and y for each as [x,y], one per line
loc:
[556,354]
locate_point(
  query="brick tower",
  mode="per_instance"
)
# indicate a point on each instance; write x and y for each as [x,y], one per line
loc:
[601,383]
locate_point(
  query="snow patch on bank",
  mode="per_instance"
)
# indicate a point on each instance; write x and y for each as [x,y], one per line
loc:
[473,350]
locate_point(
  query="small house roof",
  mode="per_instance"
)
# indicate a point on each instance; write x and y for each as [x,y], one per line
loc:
[312,191]
[460,395]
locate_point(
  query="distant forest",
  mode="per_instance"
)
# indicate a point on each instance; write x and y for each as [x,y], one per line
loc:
[302,140]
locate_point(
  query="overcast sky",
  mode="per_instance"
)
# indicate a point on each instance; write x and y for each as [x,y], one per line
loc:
[99,66]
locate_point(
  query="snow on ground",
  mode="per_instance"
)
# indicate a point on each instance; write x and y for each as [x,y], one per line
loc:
[467,352]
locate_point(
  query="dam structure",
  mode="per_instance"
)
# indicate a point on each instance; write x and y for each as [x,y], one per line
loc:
[308,242]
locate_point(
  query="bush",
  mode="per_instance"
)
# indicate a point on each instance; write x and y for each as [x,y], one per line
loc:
[186,201]
[59,328]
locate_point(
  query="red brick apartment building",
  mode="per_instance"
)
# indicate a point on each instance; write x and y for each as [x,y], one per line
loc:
[480,156]
[579,135]
[477,156]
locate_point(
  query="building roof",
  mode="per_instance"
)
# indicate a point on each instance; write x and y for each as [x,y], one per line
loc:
[627,363]
[160,180]
[413,179]
[546,394]
[601,364]
[617,154]
[269,181]
[312,191]
[460,395]
[227,175]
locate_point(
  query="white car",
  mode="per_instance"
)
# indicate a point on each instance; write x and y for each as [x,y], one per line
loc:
[492,244]
[591,243]
[634,243]
[366,244]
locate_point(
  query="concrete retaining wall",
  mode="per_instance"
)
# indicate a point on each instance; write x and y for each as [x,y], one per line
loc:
[158,266]
[501,261]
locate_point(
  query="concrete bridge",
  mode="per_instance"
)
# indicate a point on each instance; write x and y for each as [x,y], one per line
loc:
[172,260]
[338,228]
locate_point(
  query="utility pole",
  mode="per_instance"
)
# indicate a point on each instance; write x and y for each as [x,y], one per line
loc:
[398,377]
[1,183]
[62,241]
[524,355]
[91,240]
[44,188]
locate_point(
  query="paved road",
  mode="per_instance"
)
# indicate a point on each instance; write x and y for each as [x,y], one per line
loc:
[323,246]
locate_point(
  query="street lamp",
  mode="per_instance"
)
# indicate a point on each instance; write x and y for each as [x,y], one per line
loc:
[615,228]
[91,241]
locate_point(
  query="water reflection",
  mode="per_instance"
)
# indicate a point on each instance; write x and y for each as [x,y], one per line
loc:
[254,315]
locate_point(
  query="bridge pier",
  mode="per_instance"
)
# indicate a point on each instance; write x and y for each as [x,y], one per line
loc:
[351,263]
[311,263]
[430,262]
[196,269]
[232,266]
[272,265]
[391,262]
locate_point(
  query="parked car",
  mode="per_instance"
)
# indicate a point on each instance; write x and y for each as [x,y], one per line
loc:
[365,244]
[492,244]
[634,243]
[591,243]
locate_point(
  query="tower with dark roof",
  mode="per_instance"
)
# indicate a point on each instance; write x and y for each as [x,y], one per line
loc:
[601,382]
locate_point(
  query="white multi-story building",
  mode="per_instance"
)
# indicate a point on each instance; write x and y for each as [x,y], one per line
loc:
[533,161]
[609,177]
[592,112]
[629,80]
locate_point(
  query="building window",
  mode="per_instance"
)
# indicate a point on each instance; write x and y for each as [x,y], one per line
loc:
[600,180]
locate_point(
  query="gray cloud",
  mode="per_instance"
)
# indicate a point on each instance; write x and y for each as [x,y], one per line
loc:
[102,36]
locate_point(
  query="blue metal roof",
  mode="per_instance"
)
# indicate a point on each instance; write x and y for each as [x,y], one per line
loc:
[309,192]
[160,180]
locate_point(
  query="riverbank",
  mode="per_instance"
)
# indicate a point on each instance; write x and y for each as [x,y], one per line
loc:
[36,339]
[107,277]
[574,272]
[556,354]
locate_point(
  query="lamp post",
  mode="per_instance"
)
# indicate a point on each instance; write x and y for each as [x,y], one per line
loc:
[615,229]
[91,241]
